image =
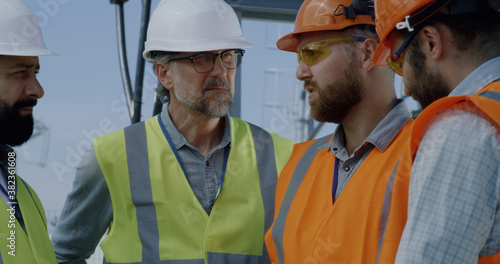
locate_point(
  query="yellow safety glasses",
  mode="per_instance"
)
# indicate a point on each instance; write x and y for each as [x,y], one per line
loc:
[314,52]
[396,61]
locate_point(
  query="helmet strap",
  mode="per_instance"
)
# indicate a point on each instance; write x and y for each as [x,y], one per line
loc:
[449,7]
[358,7]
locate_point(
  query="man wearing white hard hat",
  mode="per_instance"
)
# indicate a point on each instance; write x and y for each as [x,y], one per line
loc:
[23,225]
[191,185]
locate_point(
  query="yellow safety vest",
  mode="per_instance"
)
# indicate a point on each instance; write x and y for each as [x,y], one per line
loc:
[18,246]
[158,219]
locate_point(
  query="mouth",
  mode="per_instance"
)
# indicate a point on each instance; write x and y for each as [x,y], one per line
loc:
[216,85]
[217,88]
[310,90]
[25,106]
[28,110]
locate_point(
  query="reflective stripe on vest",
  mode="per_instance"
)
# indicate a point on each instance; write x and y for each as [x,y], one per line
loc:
[137,155]
[491,95]
[264,151]
[297,177]
[308,228]
[42,217]
[211,258]
[142,195]
[32,245]
[268,150]
[386,208]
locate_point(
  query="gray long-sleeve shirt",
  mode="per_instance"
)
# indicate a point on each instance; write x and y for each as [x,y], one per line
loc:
[88,211]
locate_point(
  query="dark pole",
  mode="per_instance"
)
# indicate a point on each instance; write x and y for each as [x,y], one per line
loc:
[158,105]
[235,110]
[122,53]
[139,77]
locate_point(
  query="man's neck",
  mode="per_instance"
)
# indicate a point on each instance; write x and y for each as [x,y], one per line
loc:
[455,65]
[202,132]
[362,120]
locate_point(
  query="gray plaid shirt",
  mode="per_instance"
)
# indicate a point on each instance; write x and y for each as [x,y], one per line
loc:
[454,198]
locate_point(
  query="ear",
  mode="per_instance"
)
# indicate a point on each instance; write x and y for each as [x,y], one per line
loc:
[164,73]
[432,42]
[369,47]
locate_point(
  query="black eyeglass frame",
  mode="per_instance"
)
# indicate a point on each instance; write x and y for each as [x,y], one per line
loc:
[214,56]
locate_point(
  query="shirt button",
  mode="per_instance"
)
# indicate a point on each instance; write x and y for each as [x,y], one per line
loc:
[335,149]
[207,163]
[347,168]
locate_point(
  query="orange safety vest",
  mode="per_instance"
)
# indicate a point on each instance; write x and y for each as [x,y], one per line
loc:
[484,102]
[308,228]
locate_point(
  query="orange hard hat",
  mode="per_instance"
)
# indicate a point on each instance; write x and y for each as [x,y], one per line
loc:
[408,14]
[388,14]
[320,15]
[411,14]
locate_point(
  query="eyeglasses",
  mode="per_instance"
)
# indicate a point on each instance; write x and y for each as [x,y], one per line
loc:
[396,61]
[314,52]
[205,61]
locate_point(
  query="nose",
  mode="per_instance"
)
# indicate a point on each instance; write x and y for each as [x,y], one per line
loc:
[34,89]
[219,68]
[303,72]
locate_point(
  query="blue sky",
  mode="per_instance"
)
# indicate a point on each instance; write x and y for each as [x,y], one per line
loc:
[84,93]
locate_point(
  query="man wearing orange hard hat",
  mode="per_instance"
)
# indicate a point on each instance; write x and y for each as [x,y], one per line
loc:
[332,196]
[448,52]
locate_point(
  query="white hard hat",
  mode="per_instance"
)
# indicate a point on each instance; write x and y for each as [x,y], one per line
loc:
[193,25]
[20,33]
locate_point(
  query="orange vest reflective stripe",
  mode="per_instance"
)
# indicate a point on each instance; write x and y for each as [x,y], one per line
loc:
[487,103]
[308,228]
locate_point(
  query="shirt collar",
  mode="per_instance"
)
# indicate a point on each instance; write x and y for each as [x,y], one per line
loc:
[4,154]
[383,134]
[179,140]
[485,74]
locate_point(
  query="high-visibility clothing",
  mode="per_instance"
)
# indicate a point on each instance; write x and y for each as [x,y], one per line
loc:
[309,228]
[158,219]
[18,246]
[485,102]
